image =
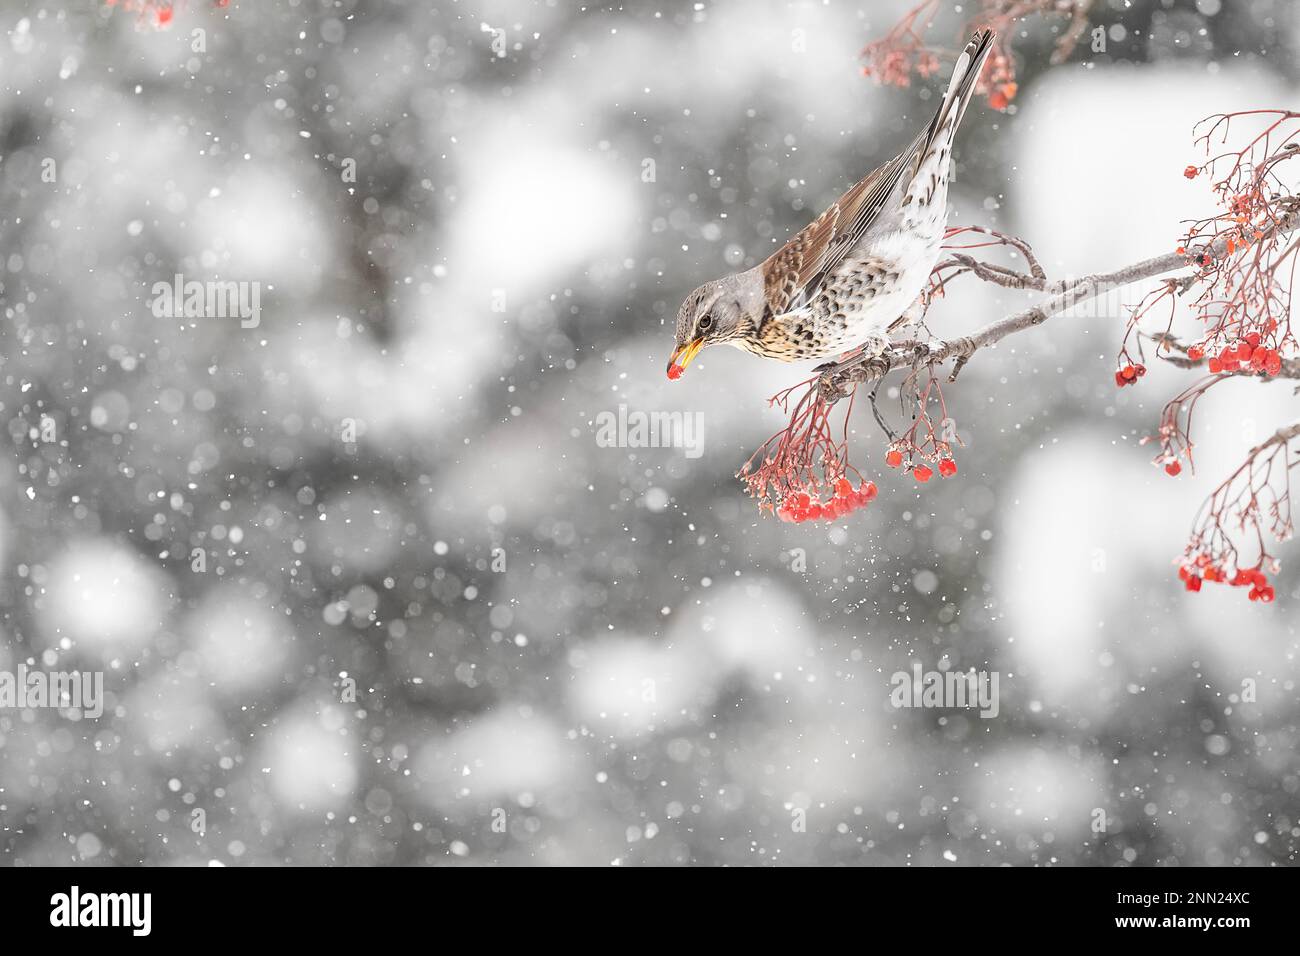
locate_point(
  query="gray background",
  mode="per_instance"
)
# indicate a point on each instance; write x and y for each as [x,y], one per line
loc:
[649,680]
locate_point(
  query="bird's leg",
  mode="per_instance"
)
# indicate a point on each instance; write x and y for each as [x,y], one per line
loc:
[842,361]
[913,316]
[838,379]
[872,348]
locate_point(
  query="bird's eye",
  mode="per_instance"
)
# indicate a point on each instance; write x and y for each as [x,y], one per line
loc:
[705,323]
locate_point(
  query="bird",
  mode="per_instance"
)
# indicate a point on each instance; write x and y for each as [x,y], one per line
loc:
[849,277]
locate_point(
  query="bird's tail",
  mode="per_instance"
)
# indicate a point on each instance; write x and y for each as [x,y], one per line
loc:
[930,157]
[960,89]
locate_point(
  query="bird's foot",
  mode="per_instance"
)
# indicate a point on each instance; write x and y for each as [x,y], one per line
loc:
[918,352]
[838,379]
[874,347]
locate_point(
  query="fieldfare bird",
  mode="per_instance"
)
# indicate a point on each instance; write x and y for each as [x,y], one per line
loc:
[850,276]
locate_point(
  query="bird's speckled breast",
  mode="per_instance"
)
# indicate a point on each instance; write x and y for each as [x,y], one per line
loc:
[861,299]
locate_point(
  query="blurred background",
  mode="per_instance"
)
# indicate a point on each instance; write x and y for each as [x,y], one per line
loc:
[364,586]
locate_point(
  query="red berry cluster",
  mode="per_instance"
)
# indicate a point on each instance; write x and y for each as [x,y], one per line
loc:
[1129,374]
[161,12]
[998,79]
[922,473]
[801,506]
[1254,578]
[1247,354]
[1001,98]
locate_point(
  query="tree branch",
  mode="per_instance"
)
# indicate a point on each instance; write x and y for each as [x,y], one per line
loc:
[839,381]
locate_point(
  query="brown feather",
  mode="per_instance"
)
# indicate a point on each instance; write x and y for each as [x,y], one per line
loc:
[794,273]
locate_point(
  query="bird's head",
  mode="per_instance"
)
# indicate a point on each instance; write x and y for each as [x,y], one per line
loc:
[715,312]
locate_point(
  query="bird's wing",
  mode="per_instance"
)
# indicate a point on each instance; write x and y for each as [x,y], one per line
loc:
[794,273]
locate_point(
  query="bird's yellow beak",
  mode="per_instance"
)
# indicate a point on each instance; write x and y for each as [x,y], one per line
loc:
[682,358]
